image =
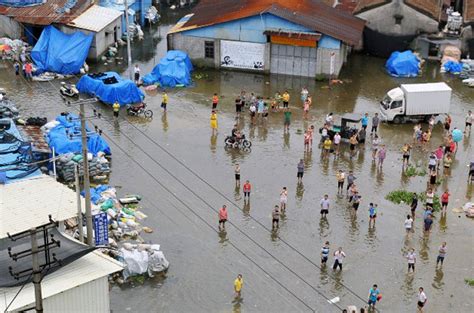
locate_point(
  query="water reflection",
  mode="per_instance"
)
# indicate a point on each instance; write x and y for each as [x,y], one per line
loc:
[164,121]
[246,208]
[286,140]
[299,191]
[424,247]
[323,227]
[443,225]
[223,237]
[438,279]
[308,159]
[237,193]
[213,144]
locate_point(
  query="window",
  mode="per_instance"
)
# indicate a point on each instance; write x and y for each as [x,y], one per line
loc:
[209,49]
[398,19]
[397,104]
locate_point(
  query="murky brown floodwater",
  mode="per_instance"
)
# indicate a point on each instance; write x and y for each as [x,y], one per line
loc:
[204,264]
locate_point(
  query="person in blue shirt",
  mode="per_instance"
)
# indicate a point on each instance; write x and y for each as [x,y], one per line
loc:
[372,213]
[374,293]
[365,121]
[325,253]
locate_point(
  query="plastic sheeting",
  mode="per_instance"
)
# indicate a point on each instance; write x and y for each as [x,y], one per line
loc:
[61,53]
[20,3]
[452,67]
[66,137]
[174,69]
[124,91]
[403,64]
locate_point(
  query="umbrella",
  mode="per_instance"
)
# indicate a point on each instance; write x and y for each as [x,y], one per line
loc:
[457,135]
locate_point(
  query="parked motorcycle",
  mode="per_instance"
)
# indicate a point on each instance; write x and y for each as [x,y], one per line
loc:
[69,90]
[139,109]
[242,143]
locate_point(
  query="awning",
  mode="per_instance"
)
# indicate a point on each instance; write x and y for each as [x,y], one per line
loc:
[303,39]
[95,19]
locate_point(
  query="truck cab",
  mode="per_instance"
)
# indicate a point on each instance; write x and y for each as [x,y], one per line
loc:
[393,104]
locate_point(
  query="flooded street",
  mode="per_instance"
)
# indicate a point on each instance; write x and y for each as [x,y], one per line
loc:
[176,152]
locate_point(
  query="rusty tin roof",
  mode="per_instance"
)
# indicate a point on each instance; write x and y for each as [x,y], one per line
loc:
[47,13]
[313,14]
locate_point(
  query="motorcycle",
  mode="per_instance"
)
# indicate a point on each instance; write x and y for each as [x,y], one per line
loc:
[232,142]
[68,90]
[138,109]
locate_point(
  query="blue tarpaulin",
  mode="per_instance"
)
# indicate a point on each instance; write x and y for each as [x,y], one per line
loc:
[15,155]
[174,69]
[403,64]
[61,53]
[109,87]
[453,67]
[66,137]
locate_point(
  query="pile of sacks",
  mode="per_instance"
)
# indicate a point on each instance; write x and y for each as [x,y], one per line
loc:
[124,220]
[99,166]
[450,62]
[141,259]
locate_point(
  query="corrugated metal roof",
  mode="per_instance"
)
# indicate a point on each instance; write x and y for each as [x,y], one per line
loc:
[95,18]
[86,269]
[432,8]
[365,5]
[52,11]
[313,14]
[468,11]
[27,203]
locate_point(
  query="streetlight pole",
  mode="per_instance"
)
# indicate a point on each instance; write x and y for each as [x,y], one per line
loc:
[87,187]
[129,51]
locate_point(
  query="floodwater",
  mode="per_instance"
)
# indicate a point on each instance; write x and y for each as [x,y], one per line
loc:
[281,271]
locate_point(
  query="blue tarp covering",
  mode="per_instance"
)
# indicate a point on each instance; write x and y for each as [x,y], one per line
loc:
[124,91]
[453,67]
[96,193]
[403,64]
[15,155]
[20,3]
[61,53]
[66,137]
[174,69]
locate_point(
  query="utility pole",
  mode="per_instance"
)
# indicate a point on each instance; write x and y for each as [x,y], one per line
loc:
[47,262]
[87,187]
[36,271]
[129,51]
[79,205]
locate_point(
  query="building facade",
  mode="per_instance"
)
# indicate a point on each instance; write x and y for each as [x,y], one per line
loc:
[268,36]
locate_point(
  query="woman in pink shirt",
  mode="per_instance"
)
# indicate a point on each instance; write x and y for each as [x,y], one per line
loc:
[222,217]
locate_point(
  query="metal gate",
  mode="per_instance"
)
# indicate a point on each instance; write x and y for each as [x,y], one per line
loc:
[293,60]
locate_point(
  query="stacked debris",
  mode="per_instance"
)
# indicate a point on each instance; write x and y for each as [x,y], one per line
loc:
[124,217]
[99,166]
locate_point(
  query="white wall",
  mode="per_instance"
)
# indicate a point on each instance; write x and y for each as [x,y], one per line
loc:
[381,19]
[92,297]
[9,27]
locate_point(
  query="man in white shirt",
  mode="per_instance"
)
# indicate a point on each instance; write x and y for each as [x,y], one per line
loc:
[325,203]
[469,118]
[408,224]
[136,70]
[422,298]
[411,257]
[339,256]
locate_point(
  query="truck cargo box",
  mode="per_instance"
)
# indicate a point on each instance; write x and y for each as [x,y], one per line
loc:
[428,98]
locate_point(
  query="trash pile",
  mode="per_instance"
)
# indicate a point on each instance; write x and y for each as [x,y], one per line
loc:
[468,208]
[450,62]
[7,107]
[126,244]
[99,166]
[10,48]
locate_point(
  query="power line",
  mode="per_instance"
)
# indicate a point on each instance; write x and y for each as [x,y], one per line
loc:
[232,244]
[210,206]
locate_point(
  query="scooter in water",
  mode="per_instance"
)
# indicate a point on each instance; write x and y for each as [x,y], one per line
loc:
[139,109]
[242,143]
[69,90]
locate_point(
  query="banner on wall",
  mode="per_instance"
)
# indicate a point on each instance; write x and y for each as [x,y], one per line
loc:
[245,55]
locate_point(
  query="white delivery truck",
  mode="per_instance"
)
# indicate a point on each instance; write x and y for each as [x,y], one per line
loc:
[415,102]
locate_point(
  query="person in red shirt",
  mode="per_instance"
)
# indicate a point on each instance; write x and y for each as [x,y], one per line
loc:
[215,101]
[247,189]
[445,201]
[29,70]
[222,217]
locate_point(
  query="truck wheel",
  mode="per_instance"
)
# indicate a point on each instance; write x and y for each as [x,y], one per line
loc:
[398,120]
